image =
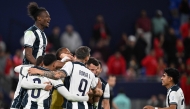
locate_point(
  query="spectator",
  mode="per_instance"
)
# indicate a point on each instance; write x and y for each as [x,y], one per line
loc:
[158,43]
[184,29]
[161,100]
[140,46]
[130,50]
[153,101]
[159,23]
[71,39]
[184,11]
[161,66]
[122,101]
[180,51]
[144,23]
[116,64]
[150,63]
[100,30]
[17,58]
[112,81]
[54,38]
[102,47]
[169,47]
[186,43]
[122,44]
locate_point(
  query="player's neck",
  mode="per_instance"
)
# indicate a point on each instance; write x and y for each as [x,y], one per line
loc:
[39,26]
[170,85]
[82,61]
[46,67]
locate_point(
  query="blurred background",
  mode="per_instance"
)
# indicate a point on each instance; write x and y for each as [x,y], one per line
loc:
[134,39]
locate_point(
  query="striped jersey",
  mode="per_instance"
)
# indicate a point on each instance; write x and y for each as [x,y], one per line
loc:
[106,92]
[19,93]
[36,39]
[39,98]
[79,80]
[175,96]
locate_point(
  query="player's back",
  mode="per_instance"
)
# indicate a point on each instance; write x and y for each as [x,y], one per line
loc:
[37,98]
[175,96]
[81,79]
[19,93]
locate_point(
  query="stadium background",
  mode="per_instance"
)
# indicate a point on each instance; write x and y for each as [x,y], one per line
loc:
[119,15]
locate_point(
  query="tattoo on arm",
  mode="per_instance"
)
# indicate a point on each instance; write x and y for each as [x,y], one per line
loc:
[49,74]
[62,73]
[52,74]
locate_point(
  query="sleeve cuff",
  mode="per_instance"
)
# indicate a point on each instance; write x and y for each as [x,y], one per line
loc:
[64,72]
[59,85]
[173,103]
[26,45]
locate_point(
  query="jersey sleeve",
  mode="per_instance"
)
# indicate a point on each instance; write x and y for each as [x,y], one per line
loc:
[94,82]
[106,94]
[173,98]
[56,83]
[30,85]
[71,97]
[67,68]
[29,39]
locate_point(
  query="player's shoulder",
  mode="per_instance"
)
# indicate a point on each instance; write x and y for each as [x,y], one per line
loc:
[30,30]
[175,88]
[21,67]
[103,81]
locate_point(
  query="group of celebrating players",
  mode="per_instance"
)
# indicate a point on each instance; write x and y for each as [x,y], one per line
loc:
[75,82]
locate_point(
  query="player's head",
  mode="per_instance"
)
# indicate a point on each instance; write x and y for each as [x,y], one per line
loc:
[170,76]
[49,61]
[39,61]
[99,70]
[92,64]
[111,80]
[39,14]
[83,53]
[62,50]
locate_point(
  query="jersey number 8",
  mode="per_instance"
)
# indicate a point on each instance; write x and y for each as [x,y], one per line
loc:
[38,90]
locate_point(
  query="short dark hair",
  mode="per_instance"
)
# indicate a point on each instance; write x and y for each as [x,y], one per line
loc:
[58,53]
[39,60]
[100,63]
[82,52]
[174,73]
[34,10]
[48,59]
[93,61]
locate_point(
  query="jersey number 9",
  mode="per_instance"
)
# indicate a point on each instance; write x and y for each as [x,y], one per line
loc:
[83,82]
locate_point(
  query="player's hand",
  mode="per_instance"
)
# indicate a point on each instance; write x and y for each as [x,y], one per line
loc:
[33,71]
[148,107]
[98,92]
[71,58]
[90,94]
[57,75]
[48,87]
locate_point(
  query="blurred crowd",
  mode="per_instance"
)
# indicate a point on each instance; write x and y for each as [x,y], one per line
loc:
[157,43]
